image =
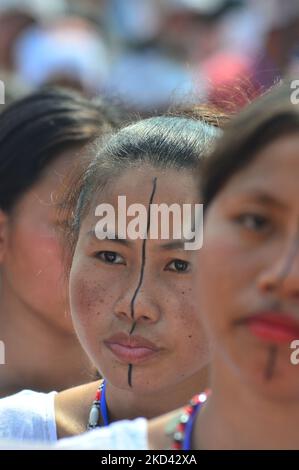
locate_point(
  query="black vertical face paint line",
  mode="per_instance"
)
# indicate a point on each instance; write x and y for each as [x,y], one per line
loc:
[272,355]
[130,375]
[133,328]
[271,362]
[143,257]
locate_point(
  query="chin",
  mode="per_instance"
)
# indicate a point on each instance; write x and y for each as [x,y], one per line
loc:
[280,390]
[280,382]
[141,382]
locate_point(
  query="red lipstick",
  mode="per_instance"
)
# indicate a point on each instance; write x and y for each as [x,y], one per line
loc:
[274,327]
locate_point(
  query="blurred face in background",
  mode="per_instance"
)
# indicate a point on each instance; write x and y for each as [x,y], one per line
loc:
[32,265]
[248,285]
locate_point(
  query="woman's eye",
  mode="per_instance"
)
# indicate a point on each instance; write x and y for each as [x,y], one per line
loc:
[254,222]
[110,257]
[178,265]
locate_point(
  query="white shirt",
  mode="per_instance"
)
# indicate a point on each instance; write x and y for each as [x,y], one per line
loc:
[30,416]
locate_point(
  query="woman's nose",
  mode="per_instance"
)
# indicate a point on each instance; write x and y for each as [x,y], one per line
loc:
[282,278]
[139,304]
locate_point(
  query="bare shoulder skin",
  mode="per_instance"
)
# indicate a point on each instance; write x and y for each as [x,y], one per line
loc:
[72,408]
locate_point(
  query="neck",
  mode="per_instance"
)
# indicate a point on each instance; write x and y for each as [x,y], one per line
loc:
[239,417]
[128,404]
[38,355]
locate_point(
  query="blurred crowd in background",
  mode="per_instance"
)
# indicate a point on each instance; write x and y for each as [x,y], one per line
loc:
[148,54]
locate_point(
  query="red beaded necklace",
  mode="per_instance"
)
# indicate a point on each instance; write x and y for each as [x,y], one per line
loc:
[182,435]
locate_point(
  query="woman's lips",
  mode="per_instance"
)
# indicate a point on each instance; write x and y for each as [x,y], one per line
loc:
[131,349]
[274,327]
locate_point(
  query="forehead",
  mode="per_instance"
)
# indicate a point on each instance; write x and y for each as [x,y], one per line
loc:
[53,179]
[137,184]
[274,170]
[174,189]
[51,184]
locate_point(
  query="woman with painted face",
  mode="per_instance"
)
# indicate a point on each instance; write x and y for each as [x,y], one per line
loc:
[132,298]
[248,286]
[41,137]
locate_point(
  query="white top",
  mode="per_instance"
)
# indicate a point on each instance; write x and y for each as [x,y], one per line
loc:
[30,416]
[123,435]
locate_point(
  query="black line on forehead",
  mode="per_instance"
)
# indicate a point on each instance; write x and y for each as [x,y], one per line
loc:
[143,248]
[143,259]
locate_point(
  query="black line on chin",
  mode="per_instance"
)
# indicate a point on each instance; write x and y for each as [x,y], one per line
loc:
[272,356]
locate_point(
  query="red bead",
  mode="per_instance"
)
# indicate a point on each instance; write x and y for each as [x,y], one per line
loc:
[177,443]
[176,446]
[181,427]
[98,395]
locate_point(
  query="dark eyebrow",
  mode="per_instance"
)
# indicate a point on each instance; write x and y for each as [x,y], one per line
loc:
[116,239]
[173,245]
[266,199]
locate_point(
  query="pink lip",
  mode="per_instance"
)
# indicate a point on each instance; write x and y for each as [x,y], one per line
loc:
[131,349]
[275,327]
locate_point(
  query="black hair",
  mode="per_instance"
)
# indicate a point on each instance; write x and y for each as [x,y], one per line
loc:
[264,120]
[35,128]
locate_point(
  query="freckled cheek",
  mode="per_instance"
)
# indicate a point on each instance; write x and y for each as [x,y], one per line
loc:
[92,298]
[191,320]
[189,337]
[182,312]
[85,296]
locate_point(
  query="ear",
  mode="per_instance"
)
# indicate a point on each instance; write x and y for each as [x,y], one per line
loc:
[3,234]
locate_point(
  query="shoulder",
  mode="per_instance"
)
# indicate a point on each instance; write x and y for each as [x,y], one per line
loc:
[72,407]
[28,415]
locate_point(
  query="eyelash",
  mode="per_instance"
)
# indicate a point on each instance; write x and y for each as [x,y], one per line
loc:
[185,263]
[102,256]
[261,222]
